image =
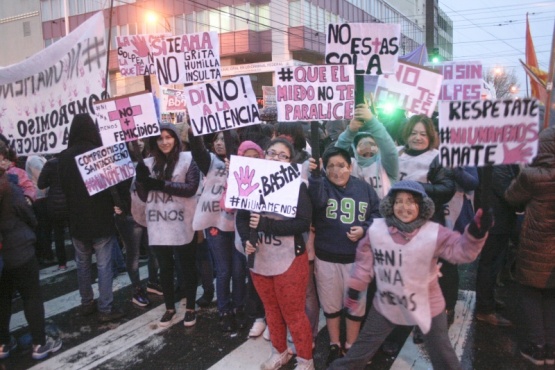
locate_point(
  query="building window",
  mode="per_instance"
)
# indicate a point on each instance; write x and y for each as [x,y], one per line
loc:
[26,29]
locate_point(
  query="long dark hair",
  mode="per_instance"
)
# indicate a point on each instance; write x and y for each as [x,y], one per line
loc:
[164,164]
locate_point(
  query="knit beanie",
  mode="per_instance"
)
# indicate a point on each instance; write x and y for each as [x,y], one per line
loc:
[425,206]
[248,145]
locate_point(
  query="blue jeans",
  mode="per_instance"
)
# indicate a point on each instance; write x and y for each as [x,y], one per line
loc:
[231,266]
[131,234]
[83,257]
[377,328]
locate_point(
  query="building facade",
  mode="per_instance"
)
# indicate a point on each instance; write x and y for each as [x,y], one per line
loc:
[255,33]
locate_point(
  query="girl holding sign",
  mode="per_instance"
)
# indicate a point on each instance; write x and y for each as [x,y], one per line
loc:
[219,228]
[401,251]
[168,181]
[280,271]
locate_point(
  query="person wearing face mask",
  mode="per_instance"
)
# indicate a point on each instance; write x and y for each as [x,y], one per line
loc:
[280,273]
[343,207]
[401,251]
[376,160]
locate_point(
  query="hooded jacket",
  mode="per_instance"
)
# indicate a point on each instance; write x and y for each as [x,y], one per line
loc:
[534,187]
[90,217]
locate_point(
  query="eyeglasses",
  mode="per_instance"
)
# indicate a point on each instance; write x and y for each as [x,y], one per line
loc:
[273,154]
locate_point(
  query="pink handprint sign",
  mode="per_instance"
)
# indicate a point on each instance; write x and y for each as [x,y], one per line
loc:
[244,180]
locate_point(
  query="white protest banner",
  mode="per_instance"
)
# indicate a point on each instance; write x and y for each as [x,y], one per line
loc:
[461,80]
[412,88]
[310,93]
[127,118]
[172,100]
[134,57]
[488,132]
[222,105]
[261,185]
[373,48]
[187,58]
[106,166]
[40,95]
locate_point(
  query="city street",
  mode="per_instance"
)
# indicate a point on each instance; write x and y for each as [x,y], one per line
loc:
[136,342]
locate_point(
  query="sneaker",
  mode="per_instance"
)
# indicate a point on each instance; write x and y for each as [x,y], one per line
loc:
[334,354]
[113,315]
[303,364]
[5,349]
[241,319]
[533,353]
[154,288]
[227,322]
[417,335]
[493,319]
[205,300]
[549,355]
[257,328]
[51,345]
[190,318]
[140,298]
[166,320]
[266,334]
[276,360]
[88,309]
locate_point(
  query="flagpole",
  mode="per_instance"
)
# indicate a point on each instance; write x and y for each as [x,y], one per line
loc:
[550,103]
[108,48]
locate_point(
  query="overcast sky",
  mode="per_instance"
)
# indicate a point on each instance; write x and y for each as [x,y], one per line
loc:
[493,32]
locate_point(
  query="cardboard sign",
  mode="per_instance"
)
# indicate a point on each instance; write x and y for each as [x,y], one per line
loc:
[310,93]
[263,186]
[172,100]
[127,118]
[40,95]
[373,48]
[488,132]
[187,58]
[134,56]
[269,96]
[104,167]
[412,88]
[461,80]
[222,105]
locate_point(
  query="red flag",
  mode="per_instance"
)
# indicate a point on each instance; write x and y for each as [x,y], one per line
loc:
[531,60]
[539,78]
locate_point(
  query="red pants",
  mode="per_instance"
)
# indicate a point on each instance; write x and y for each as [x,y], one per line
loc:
[284,298]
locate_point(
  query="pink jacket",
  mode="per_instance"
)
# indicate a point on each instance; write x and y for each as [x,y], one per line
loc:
[451,246]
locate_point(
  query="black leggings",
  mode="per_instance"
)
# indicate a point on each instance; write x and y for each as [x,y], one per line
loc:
[185,257]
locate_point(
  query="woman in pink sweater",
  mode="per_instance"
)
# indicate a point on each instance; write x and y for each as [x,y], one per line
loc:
[401,250]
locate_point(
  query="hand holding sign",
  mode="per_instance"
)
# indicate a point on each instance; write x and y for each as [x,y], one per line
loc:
[244,179]
[519,154]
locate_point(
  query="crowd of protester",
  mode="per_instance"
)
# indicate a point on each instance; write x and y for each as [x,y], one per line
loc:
[372,194]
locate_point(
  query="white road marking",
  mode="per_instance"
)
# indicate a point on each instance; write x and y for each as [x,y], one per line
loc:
[252,353]
[111,343]
[71,300]
[414,357]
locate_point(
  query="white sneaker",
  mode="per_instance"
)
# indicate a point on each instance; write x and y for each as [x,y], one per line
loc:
[276,360]
[266,334]
[303,364]
[258,328]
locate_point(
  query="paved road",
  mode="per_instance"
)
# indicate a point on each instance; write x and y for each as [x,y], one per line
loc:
[136,341]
